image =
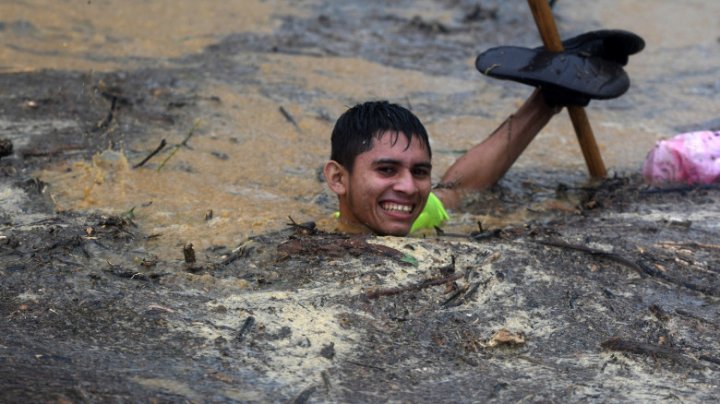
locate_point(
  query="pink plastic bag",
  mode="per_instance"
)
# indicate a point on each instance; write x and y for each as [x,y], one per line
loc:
[692,158]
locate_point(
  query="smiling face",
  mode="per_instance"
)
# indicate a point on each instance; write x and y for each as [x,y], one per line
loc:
[388,186]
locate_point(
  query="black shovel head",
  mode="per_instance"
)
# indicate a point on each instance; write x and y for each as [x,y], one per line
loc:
[593,77]
[615,45]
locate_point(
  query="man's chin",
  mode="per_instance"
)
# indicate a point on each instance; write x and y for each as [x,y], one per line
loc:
[397,231]
[396,234]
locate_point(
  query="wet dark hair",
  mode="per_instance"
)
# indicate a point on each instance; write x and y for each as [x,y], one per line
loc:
[356,128]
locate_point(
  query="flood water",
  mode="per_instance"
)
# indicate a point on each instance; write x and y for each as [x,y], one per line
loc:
[253,168]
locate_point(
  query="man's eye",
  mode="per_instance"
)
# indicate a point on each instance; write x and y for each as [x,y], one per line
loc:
[421,172]
[386,170]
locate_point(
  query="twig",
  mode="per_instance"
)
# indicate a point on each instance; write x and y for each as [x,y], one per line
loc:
[449,268]
[686,313]
[152,154]
[240,252]
[109,117]
[247,325]
[710,359]
[474,289]
[375,293]
[622,345]
[189,253]
[592,251]
[181,144]
[704,289]
[305,395]
[289,117]
[455,300]
[481,235]
[641,268]
[455,295]
[6,147]
[307,228]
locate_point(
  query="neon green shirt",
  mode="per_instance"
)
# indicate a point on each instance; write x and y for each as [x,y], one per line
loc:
[433,215]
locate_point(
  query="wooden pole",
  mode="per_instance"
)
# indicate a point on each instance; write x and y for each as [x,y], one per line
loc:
[551,39]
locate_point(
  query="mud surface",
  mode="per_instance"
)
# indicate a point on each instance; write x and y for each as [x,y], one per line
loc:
[91,316]
[603,292]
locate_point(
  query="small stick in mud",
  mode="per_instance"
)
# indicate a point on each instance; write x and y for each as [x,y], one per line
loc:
[467,293]
[109,117]
[189,253]
[181,144]
[618,344]
[596,252]
[247,325]
[455,295]
[686,313]
[450,268]
[641,268]
[307,228]
[375,293]
[305,395]
[6,147]
[289,118]
[234,255]
[152,154]
[710,359]
[709,290]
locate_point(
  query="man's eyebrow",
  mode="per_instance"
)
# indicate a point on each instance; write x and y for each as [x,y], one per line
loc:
[386,161]
[390,161]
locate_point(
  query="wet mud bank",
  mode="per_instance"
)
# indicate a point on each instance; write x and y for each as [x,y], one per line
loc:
[615,302]
[606,291]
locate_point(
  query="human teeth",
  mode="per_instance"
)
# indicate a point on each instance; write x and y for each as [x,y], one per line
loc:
[397,207]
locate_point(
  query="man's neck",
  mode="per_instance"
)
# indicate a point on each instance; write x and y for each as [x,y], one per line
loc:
[351,227]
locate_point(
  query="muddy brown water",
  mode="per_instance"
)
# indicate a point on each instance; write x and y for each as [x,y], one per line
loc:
[253,168]
[98,309]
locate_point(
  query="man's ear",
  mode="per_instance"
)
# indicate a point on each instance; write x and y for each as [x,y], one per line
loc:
[336,176]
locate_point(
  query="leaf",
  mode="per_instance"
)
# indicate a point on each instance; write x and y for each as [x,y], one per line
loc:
[409,259]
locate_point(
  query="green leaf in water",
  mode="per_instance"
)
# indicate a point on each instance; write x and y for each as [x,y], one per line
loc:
[407,258]
[130,214]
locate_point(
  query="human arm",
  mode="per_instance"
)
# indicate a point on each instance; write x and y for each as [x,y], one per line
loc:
[591,67]
[485,163]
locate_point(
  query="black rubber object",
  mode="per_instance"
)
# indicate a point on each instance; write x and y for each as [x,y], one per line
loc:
[568,78]
[614,45]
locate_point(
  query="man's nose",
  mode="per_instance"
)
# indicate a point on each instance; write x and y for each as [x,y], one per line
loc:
[406,183]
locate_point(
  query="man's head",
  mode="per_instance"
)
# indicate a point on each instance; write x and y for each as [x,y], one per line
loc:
[380,167]
[359,125]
